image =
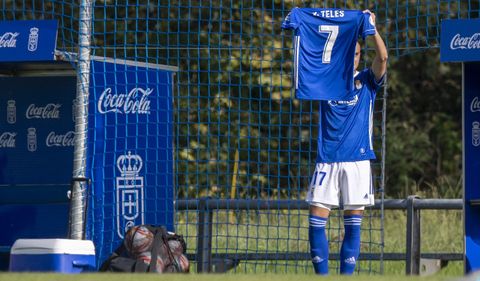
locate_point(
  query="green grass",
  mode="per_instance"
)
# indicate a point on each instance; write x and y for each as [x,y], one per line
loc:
[441,232]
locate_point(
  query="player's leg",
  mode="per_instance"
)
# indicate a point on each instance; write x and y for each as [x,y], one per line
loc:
[356,188]
[322,195]
[350,249]
[317,237]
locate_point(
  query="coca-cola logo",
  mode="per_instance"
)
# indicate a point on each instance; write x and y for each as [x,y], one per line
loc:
[49,111]
[475,105]
[136,101]
[9,40]
[7,140]
[467,42]
[67,139]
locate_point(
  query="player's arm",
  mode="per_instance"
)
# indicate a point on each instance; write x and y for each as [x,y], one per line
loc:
[379,65]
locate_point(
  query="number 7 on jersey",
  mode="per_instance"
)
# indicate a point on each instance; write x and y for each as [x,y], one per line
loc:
[332,31]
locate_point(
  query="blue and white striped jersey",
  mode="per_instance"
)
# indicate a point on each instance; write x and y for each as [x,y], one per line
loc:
[346,127]
[324,50]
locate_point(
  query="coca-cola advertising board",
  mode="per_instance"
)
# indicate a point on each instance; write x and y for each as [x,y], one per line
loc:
[460,40]
[36,156]
[130,150]
[471,164]
[36,130]
[28,40]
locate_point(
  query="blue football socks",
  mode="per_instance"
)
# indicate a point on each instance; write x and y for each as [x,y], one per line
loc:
[351,244]
[318,244]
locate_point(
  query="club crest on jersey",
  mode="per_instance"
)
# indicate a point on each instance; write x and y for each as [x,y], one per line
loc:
[358,84]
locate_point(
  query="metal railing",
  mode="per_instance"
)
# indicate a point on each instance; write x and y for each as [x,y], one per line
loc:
[413,205]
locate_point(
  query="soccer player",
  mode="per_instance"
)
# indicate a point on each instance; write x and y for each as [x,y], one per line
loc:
[343,162]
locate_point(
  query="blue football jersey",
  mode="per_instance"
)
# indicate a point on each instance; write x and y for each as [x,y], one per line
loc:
[346,126]
[324,50]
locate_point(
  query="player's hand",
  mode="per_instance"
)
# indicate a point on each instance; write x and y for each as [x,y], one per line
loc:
[372,17]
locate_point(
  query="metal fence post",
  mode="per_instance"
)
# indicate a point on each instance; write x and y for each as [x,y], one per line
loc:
[413,237]
[78,188]
[204,237]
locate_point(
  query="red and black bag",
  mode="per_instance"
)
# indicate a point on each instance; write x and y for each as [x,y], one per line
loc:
[148,248]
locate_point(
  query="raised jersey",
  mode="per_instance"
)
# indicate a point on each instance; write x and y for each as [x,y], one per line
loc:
[324,50]
[346,126]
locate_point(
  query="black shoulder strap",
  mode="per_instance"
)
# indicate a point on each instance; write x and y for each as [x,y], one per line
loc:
[173,261]
[161,238]
[158,241]
[117,253]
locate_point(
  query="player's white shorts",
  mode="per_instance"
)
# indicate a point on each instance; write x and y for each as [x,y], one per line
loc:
[351,181]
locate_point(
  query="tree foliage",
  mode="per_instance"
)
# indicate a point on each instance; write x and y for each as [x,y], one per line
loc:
[424,125]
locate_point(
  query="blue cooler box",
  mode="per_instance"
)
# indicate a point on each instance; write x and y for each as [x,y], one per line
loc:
[54,255]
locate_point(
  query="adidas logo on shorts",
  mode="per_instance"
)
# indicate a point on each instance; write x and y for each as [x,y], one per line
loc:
[350,260]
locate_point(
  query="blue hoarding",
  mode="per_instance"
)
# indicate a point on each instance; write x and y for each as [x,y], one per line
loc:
[471,150]
[37,126]
[130,151]
[460,40]
[28,40]
[36,156]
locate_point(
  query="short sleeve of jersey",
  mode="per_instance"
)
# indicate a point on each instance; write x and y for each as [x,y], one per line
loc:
[372,81]
[367,26]
[291,20]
